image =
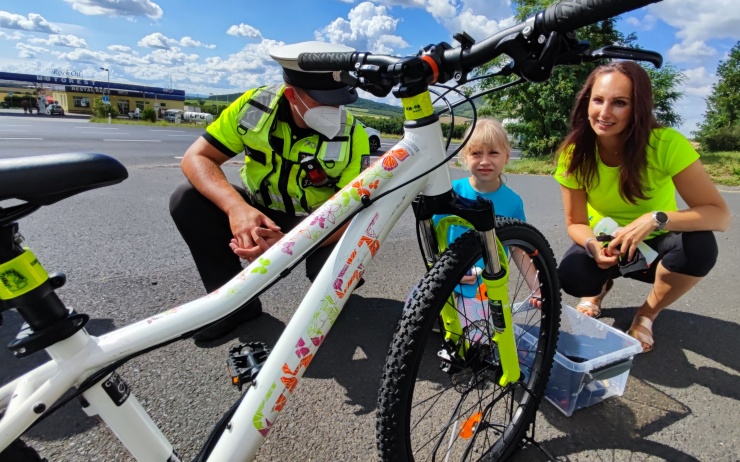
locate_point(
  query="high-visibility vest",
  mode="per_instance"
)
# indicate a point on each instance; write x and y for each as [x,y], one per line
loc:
[277,171]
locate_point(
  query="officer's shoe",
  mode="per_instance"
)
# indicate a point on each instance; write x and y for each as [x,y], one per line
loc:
[230,322]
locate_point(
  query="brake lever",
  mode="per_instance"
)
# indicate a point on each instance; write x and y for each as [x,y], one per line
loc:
[634,54]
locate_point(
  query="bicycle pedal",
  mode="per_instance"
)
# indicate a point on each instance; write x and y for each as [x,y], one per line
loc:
[245,361]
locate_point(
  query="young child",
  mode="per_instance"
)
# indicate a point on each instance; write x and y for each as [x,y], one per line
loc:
[485,156]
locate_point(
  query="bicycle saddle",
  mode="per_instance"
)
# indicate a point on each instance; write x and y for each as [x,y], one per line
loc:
[44,180]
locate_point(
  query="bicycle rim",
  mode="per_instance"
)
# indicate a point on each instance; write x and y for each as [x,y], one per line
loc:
[429,409]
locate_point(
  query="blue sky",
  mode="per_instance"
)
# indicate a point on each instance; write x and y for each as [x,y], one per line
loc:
[220,46]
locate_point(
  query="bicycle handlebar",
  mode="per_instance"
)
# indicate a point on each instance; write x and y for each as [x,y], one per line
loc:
[571,15]
[439,63]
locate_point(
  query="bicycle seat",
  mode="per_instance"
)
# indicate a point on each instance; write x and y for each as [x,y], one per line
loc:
[44,180]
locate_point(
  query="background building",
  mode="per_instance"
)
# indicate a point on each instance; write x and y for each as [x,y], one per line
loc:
[77,95]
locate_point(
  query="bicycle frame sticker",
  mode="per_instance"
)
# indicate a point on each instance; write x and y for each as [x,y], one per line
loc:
[21,275]
[417,107]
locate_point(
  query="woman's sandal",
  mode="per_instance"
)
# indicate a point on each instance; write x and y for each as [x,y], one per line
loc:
[592,309]
[645,333]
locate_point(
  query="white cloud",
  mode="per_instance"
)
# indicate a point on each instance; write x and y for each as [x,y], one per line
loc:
[157,40]
[244,30]
[191,42]
[117,8]
[479,18]
[646,23]
[698,82]
[29,51]
[123,49]
[69,41]
[477,26]
[33,23]
[690,51]
[13,36]
[367,27]
[703,20]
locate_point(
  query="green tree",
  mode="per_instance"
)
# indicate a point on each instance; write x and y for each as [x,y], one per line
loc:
[537,114]
[722,118]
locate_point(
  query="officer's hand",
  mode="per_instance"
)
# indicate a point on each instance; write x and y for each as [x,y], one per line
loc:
[263,239]
[243,221]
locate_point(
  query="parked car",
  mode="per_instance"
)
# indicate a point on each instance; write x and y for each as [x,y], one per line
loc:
[54,109]
[374,137]
[171,115]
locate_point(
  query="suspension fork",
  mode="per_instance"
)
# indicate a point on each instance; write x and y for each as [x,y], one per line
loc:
[478,215]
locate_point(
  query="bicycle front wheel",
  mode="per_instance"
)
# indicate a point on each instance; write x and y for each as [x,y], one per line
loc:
[438,404]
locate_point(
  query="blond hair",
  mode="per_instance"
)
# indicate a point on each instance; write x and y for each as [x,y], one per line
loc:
[488,132]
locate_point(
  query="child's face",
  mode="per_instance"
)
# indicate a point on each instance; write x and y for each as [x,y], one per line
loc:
[486,163]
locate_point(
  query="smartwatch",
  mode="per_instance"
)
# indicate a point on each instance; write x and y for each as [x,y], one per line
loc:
[661,219]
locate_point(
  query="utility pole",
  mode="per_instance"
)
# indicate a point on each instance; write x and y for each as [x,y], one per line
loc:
[109,109]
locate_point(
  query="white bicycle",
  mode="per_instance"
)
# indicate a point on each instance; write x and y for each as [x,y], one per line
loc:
[466,391]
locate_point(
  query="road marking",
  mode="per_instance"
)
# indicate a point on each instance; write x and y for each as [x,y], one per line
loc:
[183,135]
[97,128]
[135,141]
[167,130]
[179,157]
[13,125]
[21,138]
[98,133]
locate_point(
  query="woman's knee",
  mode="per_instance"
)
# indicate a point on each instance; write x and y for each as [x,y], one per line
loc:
[579,275]
[695,255]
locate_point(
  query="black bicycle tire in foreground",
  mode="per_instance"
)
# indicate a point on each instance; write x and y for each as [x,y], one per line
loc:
[425,413]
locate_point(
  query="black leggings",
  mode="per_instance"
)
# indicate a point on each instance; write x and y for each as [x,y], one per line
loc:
[690,253]
[206,231]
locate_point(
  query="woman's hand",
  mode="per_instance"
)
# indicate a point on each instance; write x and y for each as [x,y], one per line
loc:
[627,238]
[604,259]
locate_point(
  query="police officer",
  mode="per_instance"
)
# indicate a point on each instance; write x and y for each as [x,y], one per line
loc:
[301,146]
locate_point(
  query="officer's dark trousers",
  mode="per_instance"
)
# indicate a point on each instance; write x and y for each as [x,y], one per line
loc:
[206,231]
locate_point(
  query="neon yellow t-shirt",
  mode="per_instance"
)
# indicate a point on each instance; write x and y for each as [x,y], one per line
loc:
[668,153]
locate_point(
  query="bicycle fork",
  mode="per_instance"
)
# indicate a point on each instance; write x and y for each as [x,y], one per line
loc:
[478,215]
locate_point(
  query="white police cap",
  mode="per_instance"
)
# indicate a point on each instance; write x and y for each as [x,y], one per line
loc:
[320,86]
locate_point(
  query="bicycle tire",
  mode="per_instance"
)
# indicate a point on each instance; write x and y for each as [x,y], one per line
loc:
[414,389]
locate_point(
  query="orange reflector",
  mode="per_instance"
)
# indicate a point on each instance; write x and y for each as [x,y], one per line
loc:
[467,429]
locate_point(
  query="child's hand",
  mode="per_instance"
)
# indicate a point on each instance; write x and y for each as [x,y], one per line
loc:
[471,277]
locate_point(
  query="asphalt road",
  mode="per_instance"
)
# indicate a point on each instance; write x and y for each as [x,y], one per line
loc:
[124,260]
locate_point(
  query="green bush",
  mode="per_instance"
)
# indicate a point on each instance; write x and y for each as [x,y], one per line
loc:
[149,114]
[104,110]
[723,139]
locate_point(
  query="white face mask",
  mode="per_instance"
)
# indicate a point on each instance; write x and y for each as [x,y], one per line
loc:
[326,120]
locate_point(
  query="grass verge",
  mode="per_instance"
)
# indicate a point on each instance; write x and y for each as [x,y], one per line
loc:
[723,167]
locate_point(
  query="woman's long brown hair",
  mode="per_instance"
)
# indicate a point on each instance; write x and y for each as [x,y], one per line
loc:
[582,138]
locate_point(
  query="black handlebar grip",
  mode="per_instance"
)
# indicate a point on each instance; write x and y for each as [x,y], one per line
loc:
[570,15]
[336,61]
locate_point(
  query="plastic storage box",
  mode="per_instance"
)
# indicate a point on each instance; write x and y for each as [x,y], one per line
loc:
[592,361]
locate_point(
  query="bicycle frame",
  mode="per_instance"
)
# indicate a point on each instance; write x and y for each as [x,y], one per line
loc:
[80,356]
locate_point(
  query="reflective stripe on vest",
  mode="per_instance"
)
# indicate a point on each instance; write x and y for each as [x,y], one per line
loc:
[262,179]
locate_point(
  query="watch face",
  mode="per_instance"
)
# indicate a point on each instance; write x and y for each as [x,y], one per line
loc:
[661,218]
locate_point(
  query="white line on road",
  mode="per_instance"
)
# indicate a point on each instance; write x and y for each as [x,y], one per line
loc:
[98,133]
[14,125]
[136,141]
[190,135]
[21,138]
[171,131]
[98,128]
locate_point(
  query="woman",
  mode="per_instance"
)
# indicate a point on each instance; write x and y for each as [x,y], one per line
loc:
[618,162]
